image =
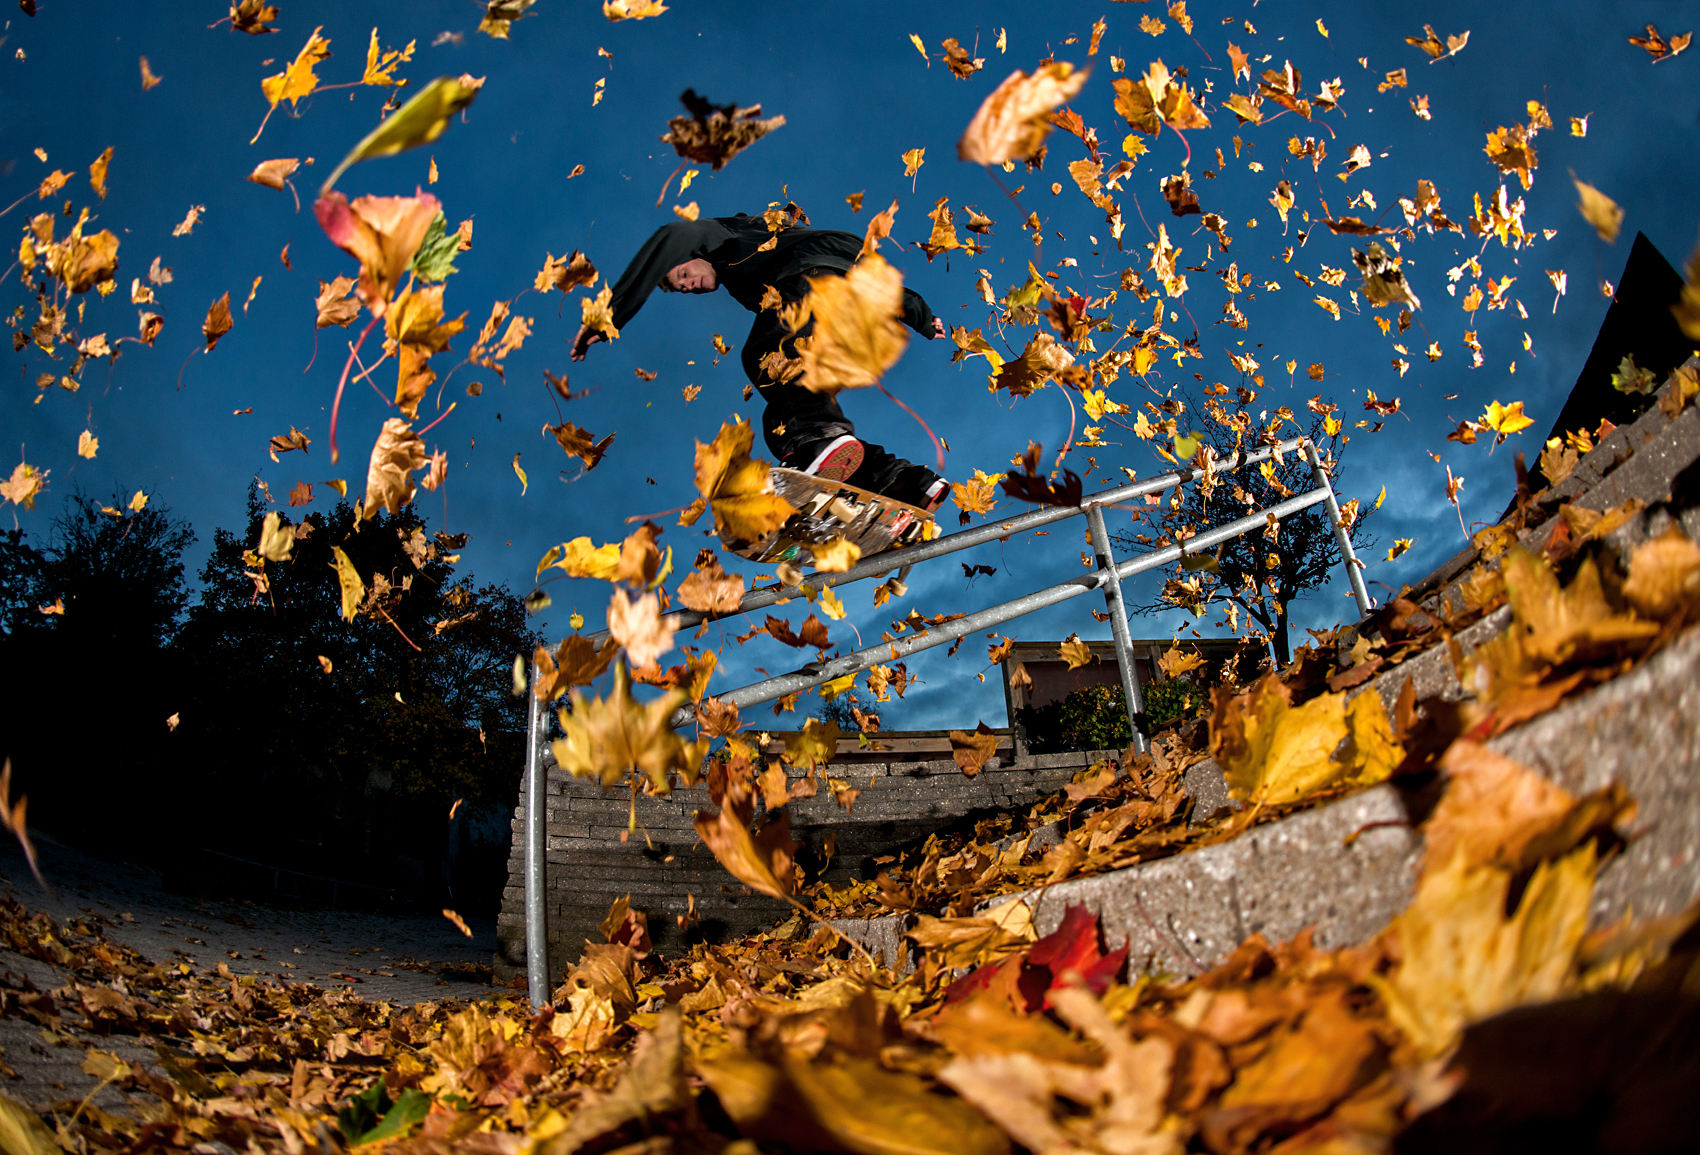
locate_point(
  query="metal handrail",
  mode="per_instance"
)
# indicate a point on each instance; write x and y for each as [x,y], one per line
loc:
[1107,577]
[899,559]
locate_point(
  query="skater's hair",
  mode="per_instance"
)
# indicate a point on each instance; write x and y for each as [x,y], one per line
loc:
[666,285]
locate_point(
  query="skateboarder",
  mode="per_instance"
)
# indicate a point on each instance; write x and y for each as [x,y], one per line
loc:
[806,431]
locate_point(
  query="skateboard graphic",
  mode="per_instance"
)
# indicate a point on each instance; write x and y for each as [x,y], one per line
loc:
[831,509]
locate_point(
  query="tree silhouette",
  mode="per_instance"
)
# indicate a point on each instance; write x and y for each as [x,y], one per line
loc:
[358,765]
[91,680]
[1259,574]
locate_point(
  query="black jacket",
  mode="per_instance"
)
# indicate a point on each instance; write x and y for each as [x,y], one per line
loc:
[730,244]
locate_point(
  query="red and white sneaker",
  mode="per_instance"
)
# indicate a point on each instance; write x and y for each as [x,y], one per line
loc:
[936,493]
[838,460]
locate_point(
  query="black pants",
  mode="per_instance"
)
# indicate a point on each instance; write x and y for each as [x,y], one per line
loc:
[798,422]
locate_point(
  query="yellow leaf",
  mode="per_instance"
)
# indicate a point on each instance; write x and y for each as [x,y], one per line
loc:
[1076,652]
[1506,418]
[520,473]
[763,861]
[815,744]
[605,737]
[420,121]
[138,502]
[1600,211]
[913,160]
[639,627]
[381,66]
[837,555]
[22,1132]
[580,558]
[1463,960]
[738,488]
[348,578]
[598,312]
[87,444]
[1009,125]
[831,606]
[298,79]
[97,172]
[859,332]
[1174,662]
[921,48]
[276,539]
[618,10]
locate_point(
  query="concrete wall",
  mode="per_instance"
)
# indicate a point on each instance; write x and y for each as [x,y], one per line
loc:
[901,803]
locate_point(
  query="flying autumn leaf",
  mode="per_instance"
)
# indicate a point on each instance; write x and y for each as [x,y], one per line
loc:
[858,331]
[382,233]
[1076,652]
[381,66]
[333,303]
[565,274]
[598,312]
[272,173]
[617,10]
[389,475]
[764,860]
[1658,47]
[972,751]
[714,134]
[217,323]
[295,439]
[1431,44]
[420,121]
[352,589]
[97,172]
[25,485]
[580,443]
[575,662]
[709,588]
[293,82]
[638,626]
[87,444]
[1009,124]
[1599,210]
[603,738]
[250,16]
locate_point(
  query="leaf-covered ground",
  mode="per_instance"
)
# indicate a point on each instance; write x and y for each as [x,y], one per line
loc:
[988,1038]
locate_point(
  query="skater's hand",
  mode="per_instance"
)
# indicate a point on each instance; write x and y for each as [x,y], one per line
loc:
[938,329]
[585,339]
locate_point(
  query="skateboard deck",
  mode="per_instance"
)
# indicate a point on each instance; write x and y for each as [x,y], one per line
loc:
[831,509]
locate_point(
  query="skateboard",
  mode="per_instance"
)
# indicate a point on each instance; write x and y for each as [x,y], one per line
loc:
[830,509]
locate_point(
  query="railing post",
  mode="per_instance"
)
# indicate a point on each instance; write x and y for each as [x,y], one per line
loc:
[536,860]
[1118,624]
[1354,570]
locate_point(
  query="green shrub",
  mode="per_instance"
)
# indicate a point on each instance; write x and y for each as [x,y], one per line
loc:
[1173,701]
[1091,718]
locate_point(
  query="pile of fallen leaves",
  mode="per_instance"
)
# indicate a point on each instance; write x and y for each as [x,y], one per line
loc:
[984,1036]
[995,1037]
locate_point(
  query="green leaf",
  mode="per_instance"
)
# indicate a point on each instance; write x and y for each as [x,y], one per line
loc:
[370,1116]
[410,1108]
[420,121]
[363,1112]
[435,259]
[1631,378]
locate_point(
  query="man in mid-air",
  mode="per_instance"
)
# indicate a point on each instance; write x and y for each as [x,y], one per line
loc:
[806,431]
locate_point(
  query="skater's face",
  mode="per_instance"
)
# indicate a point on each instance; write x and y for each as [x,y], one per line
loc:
[694,276]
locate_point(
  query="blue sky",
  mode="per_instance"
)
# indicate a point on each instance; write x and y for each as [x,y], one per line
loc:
[856,94]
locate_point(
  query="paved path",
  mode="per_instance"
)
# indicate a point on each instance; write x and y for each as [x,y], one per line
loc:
[367,954]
